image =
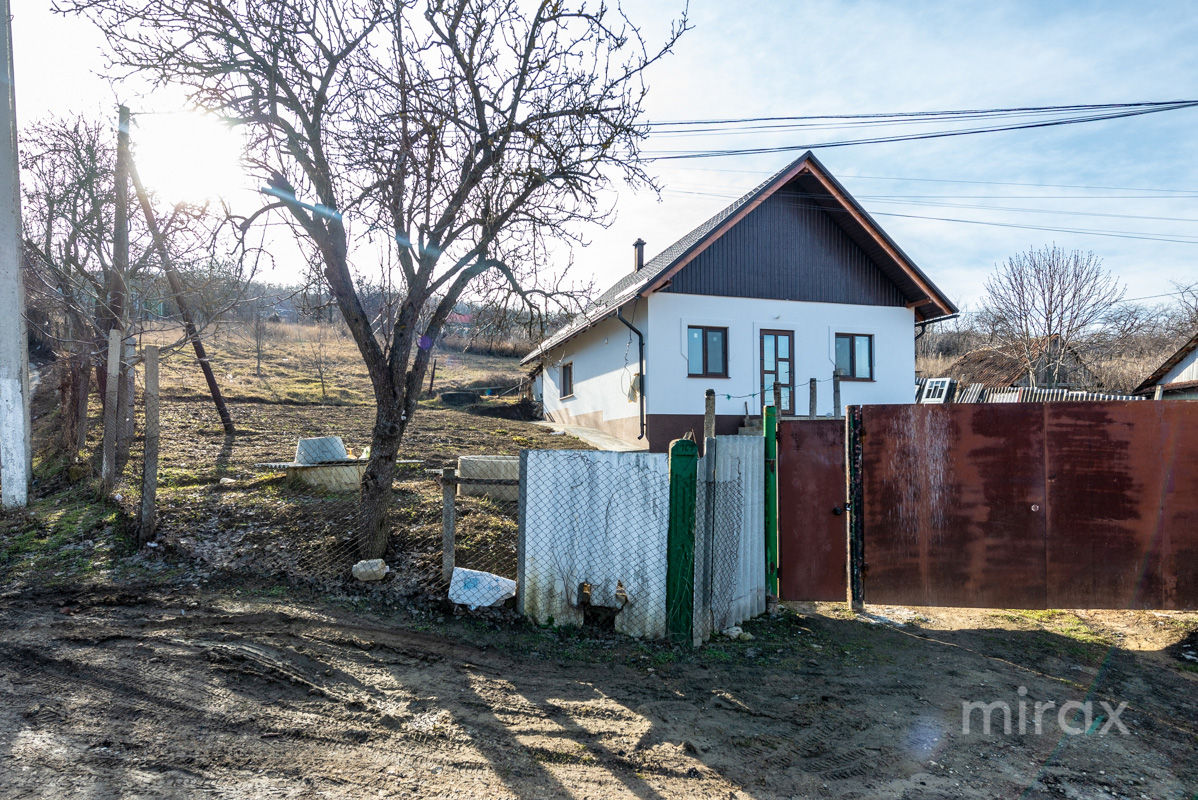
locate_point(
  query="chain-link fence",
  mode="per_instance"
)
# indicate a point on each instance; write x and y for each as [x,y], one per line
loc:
[595,535]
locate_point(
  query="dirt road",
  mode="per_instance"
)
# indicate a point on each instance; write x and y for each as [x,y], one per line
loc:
[180,694]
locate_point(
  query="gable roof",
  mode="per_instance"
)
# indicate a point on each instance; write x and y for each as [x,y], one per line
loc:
[1170,362]
[1001,367]
[824,191]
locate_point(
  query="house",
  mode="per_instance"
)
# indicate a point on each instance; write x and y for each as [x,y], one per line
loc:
[1005,367]
[790,282]
[1177,378]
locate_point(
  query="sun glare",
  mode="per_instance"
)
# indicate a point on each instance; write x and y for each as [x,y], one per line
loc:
[187,157]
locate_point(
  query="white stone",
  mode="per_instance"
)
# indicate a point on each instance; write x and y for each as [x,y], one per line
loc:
[371,569]
[733,632]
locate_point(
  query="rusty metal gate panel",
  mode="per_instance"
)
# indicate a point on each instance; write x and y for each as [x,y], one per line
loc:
[954,505]
[1123,505]
[811,521]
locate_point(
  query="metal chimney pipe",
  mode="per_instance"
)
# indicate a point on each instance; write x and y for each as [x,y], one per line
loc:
[639,259]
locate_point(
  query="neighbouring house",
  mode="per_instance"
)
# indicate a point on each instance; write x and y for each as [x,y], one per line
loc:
[1005,367]
[793,281]
[1177,378]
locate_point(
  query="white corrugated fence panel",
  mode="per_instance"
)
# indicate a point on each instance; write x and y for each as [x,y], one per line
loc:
[740,525]
[601,518]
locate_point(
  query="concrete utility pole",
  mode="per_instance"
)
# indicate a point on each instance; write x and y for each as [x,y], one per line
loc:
[15,448]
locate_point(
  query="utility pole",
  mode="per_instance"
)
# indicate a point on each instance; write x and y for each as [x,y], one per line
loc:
[15,447]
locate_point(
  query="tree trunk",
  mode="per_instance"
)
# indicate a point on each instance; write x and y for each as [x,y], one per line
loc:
[389,427]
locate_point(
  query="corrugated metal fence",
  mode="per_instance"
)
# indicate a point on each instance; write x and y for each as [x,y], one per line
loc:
[1052,505]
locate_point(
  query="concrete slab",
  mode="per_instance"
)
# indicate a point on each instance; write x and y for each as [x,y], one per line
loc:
[600,440]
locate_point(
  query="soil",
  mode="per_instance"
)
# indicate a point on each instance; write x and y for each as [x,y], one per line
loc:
[177,692]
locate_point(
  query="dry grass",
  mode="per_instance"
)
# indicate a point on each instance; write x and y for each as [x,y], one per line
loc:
[291,355]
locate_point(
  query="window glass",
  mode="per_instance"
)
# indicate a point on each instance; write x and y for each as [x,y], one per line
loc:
[715,352]
[567,380]
[767,344]
[783,346]
[784,372]
[694,351]
[864,358]
[844,355]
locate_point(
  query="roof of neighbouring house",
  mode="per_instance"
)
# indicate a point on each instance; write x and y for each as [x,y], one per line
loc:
[1170,362]
[823,190]
[999,367]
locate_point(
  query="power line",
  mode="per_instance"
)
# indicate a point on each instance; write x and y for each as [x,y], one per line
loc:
[925,114]
[896,178]
[1136,110]
[1141,235]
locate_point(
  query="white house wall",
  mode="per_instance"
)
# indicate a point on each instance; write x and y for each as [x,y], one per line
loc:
[1186,370]
[815,326]
[606,363]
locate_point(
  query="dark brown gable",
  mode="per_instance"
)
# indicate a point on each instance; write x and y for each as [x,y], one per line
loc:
[788,248]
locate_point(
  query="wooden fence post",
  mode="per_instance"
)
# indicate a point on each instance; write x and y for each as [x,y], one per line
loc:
[855,520]
[770,430]
[449,487]
[680,540]
[149,470]
[813,404]
[111,420]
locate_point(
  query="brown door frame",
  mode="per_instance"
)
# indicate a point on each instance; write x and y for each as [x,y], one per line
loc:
[790,335]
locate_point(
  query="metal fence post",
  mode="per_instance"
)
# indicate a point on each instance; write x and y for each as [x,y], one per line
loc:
[448,518]
[705,545]
[149,468]
[680,540]
[770,429]
[520,532]
[855,519]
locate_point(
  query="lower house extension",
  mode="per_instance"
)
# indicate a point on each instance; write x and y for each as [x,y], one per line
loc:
[793,281]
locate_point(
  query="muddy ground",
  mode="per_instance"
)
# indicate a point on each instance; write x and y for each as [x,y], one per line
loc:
[177,692]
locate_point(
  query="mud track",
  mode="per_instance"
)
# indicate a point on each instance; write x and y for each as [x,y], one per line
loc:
[178,695]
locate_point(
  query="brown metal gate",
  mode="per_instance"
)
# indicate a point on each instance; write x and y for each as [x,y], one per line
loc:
[811,523]
[1029,505]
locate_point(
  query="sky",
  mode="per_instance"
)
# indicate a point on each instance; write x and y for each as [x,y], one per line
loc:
[773,58]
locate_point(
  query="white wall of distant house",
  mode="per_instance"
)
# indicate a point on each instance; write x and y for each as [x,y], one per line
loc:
[1186,370]
[815,325]
[605,360]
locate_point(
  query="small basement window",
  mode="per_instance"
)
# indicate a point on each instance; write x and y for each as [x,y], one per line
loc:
[706,352]
[567,383]
[855,356]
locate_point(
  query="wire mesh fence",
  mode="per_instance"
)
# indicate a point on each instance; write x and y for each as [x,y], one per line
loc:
[595,531]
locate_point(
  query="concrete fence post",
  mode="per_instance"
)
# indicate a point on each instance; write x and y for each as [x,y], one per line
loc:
[111,419]
[836,396]
[149,470]
[448,521]
[813,404]
[708,416]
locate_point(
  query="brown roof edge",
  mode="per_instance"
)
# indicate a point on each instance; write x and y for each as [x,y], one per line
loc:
[809,163]
[1170,362]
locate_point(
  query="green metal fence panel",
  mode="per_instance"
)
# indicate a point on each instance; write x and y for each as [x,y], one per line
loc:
[770,429]
[680,543]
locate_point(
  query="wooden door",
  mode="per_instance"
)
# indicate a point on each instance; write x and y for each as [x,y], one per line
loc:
[777,366]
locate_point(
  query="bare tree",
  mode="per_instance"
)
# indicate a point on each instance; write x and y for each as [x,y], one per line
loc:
[459,134]
[1043,302]
[75,285]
